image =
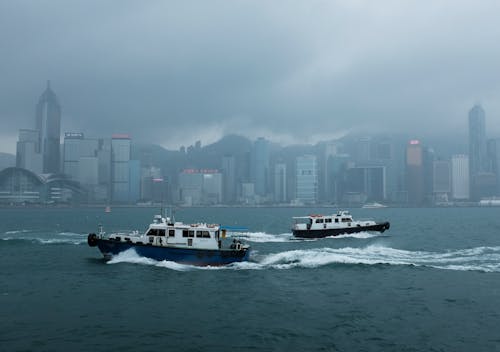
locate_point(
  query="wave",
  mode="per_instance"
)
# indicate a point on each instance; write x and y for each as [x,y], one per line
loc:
[44,238]
[13,232]
[262,237]
[485,259]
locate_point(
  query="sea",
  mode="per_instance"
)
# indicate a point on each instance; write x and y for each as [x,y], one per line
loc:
[429,283]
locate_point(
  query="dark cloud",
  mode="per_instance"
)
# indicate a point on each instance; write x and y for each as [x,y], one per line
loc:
[172,72]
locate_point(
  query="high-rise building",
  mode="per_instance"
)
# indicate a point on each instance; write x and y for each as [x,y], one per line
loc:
[477,147]
[415,172]
[494,160]
[229,177]
[75,147]
[200,187]
[368,182]
[120,173]
[460,177]
[441,180]
[306,176]
[27,151]
[48,123]
[260,166]
[280,184]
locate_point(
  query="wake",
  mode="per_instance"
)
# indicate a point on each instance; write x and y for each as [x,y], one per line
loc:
[485,259]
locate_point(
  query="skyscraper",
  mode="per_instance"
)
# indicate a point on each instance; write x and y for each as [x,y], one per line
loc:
[280,184]
[306,174]
[27,155]
[477,146]
[460,177]
[48,124]
[415,172]
[120,173]
[260,166]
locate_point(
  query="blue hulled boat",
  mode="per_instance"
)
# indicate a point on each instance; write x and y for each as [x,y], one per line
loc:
[195,244]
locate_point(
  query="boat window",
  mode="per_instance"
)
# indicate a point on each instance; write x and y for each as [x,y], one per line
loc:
[328,220]
[319,221]
[161,232]
[198,234]
[346,219]
[171,233]
[206,234]
[152,232]
[191,233]
[336,220]
[184,233]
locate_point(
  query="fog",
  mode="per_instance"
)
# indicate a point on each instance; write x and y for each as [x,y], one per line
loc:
[173,72]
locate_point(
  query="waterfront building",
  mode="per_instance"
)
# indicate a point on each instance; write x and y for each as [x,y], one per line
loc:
[441,180]
[306,176]
[369,182]
[415,172]
[460,177]
[120,173]
[200,187]
[229,178]
[477,148]
[48,123]
[280,184]
[260,166]
[27,151]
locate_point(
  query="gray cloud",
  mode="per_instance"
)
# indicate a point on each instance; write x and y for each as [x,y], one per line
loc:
[172,72]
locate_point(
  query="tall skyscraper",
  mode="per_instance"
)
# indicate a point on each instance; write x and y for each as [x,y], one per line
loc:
[48,124]
[477,147]
[460,177]
[229,177]
[306,179]
[280,184]
[441,180]
[120,173]
[415,172]
[27,151]
[260,166]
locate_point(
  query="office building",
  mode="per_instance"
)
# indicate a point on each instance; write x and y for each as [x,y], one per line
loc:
[120,173]
[415,172]
[477,149]
[460,177]
[280,184]
[48,124]
[27,151]
[260,166]
[306,176]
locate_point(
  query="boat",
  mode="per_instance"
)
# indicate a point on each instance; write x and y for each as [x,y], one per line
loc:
[373,205]
[319,226]
[194,244]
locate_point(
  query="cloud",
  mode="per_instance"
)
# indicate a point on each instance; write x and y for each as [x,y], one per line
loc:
[169,71]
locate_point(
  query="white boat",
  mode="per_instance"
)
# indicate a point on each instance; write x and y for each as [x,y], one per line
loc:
[195,244]
[373,205]
[318,226]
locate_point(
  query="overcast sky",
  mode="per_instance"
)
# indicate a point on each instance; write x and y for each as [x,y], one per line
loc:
[173,72]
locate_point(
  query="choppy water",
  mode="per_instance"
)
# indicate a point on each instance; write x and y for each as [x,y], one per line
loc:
[431,283]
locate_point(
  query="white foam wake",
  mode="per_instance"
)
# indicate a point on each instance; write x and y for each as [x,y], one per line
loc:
[262,237]
[486,259]
[480,258]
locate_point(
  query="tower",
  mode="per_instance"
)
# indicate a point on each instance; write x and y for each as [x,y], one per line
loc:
[477,147]
[48,124]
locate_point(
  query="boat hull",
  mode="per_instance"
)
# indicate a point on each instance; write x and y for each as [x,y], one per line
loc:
[321,233]
[191,256]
